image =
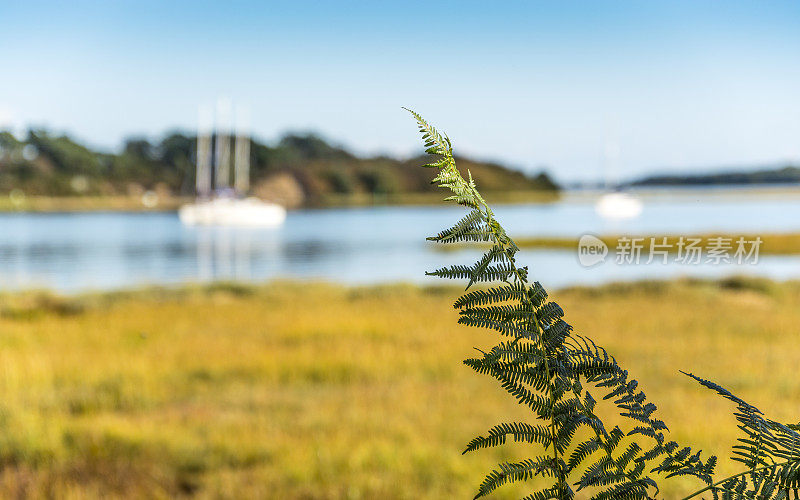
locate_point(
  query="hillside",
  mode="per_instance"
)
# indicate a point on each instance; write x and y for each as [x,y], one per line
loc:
[298,170]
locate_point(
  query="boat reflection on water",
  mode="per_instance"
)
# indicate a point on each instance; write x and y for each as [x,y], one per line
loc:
[232,253]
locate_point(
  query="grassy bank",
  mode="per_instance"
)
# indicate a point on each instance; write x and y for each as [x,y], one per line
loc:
[315,391]
[135,203]
[771,243]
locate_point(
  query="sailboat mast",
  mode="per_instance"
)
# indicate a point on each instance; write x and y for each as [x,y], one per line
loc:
[242,159]
[241,182]
[203,161]
[223,156]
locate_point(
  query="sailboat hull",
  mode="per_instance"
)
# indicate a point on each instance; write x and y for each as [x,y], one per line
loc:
[249,212]
[618,206]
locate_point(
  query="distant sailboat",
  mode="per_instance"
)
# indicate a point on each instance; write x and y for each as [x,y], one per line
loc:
[616,204]
[217,203]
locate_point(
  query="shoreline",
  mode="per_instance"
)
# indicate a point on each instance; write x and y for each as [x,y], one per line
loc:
[123,203]
[82,204]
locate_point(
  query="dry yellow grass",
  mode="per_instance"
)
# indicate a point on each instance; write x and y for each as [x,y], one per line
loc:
[314,391]
[771,243]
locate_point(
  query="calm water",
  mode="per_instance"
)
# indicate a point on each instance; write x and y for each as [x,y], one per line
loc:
[73,252]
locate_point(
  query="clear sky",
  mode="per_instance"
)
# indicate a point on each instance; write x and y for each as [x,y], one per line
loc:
[674,84]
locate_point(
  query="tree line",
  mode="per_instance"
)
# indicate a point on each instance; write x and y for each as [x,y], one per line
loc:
[44,163]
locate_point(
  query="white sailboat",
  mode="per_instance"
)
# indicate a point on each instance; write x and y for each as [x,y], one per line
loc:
[616,205]
[217,203]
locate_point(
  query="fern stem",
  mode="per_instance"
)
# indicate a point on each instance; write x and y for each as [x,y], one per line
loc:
[540,333]
[551,388]
[552,407]
[504,241]
[543,347]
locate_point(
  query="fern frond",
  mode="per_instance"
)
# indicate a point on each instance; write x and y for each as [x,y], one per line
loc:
[434,141]
[509,472]
[520,432]
[506,312]
[769,450]
[508,328]
[470,224]
[583,451]
[545,366]
[551,493]
[507,292]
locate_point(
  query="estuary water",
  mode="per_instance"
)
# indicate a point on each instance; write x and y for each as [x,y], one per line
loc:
[72,252]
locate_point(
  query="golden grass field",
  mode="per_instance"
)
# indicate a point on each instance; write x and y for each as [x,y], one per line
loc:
[316,391]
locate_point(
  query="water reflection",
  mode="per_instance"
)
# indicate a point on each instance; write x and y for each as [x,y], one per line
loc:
[227,253]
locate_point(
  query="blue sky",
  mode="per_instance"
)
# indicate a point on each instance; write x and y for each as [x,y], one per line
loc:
[680,85]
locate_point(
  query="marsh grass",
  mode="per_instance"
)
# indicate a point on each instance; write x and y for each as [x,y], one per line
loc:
[772,243]
[318,391]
